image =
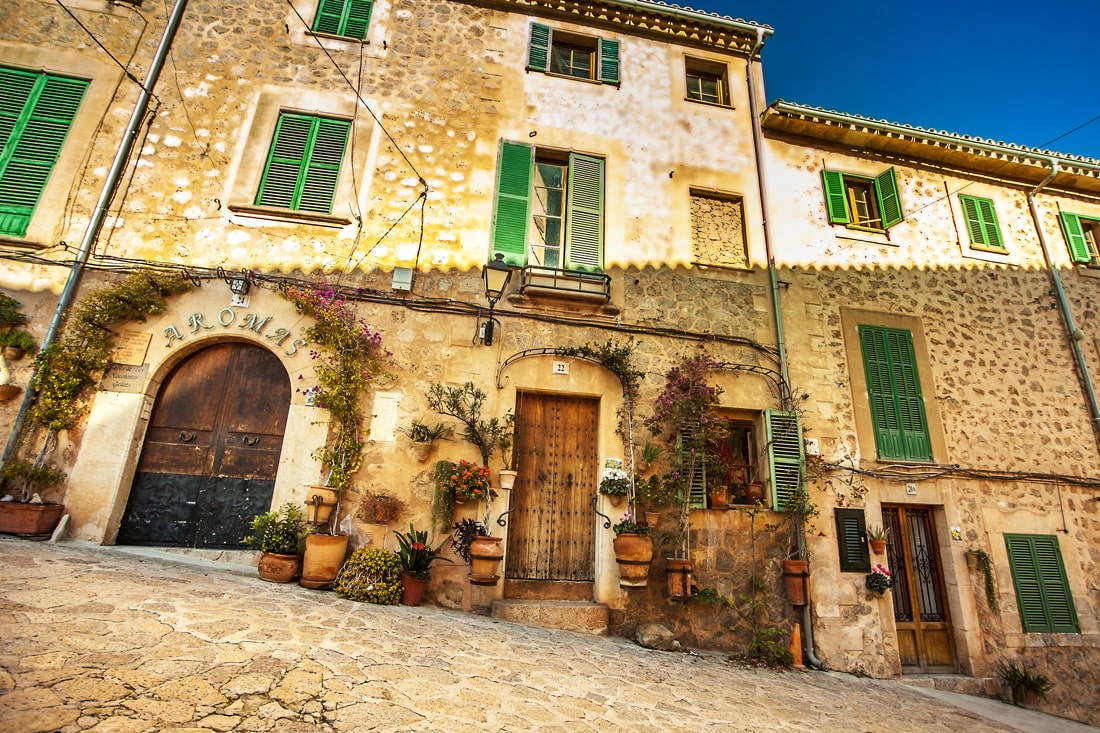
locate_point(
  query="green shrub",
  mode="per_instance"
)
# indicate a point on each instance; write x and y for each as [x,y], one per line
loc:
[372,575]
[282,531]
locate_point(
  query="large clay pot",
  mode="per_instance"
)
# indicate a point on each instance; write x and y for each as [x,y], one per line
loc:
[753,492]
[17,517]
[412,590]
[633,552]
[323,559]
[321,500]
[485,555]
[795,573]
[276,568]
[681,578]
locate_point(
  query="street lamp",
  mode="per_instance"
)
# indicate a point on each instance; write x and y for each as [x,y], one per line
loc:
[496,275]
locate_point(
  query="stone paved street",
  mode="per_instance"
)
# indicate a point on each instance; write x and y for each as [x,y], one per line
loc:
[97,639]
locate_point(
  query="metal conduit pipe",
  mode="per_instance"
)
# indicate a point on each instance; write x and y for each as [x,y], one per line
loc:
[1063,302]
[99,214]
[808,655]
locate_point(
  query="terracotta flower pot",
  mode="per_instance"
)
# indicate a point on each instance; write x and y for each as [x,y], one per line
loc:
[7,391]
[878,546]
[276,568]
[322,560]
[795,573]
[412,590]
[17,517]
[321,500]
[14,353]
[753,492]
[718,497]
[653,519]
[422,451]
[485,555]
[507,478]
[680,578]
[633,552]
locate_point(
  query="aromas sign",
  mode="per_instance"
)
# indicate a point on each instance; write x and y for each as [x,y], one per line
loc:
[228,319]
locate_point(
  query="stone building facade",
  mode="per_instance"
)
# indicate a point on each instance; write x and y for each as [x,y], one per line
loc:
[438,108]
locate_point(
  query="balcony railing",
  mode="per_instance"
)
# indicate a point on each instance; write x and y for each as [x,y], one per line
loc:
[566,282]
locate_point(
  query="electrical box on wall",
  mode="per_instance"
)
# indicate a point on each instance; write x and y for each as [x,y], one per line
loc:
[402,278]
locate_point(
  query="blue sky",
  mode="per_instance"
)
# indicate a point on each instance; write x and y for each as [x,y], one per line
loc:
[1013,71]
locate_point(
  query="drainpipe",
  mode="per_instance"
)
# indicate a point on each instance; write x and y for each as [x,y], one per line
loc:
[808,655]
[99,214]
[1075,335]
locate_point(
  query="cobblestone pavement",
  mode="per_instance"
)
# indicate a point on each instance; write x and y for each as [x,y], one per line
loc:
[96,639]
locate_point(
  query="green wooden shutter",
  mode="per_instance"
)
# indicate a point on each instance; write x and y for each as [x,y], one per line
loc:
[538,54]
[785,455]
[894,393]
[330,17]
[697,473]
[836,203]
[36,112]
[851,539]
[609,61]
[303,165]
[512,208]
[343,17]
[981,222]
[1075,237]
[889,201]
[1042,590]
[584,213]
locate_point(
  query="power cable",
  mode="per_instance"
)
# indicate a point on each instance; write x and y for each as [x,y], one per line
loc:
[91,35]
[1064,134]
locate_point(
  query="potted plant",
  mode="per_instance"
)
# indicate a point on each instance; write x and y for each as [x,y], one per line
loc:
[423,436]
[29,514]
[651,453]
[615,485]
[1027,687]
[633,551]
[465,404]
[879,580]
[415,557]
[10,316]
[467,481]
[506,442]
[471,541]
[17,343]
[380,508]
[876,536]
[280,535]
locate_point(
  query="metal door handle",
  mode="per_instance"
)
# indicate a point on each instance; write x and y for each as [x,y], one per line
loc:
[250,441]
[187,437]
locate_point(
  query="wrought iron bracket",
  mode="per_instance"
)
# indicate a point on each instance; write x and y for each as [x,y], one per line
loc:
[607,519]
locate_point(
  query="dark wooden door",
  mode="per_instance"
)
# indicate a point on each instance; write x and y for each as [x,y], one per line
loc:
[925,638]
[551,534]
[212,450]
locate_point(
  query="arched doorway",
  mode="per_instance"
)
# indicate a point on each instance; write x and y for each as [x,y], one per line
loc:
[211,451]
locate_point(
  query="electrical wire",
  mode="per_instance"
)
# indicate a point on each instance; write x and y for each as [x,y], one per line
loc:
[91,35]
[1064,134]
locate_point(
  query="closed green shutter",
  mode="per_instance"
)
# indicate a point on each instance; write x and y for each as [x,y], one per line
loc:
[981,222]
[1075,237]
[609,61]
[584,213]
[538,54]
[1042,590]
[303,165]
[835,201]
[785,456]
[343,17]
[894,394]
[889,201]
[36,112]
[851,539]
[512,208]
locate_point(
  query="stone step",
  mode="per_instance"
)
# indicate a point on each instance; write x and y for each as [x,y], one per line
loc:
[584,617]
[961,684]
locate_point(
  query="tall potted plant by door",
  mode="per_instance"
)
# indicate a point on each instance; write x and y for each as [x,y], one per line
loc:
[280,535]
[633,551]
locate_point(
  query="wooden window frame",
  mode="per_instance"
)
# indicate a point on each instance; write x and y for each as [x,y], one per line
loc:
[981,223]
[700,70]
[603,59]
[1082,235]
[883,199]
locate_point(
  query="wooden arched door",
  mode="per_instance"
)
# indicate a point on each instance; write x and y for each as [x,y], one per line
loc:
[211,451]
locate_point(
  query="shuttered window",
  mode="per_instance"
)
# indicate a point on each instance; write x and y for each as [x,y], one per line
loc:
[1042,590]
[696,470]
[543,225]
[981,223]
[851,539]
[343,17]
[785,456]
[893,387]
[1083,237]
[568,54]
[861,202]
[303,164]
[36,112]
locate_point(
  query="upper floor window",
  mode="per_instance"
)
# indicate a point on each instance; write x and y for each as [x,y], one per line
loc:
[981,223]
[343,17]
[303,163]
[549,208]
[706,82]
[36,112]
[859,202]
[1042,590]
[1083,236]
[569,54]
[894,391]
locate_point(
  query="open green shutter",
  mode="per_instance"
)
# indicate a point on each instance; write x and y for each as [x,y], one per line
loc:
[512,208]
[894,394]
[36,112]
[1075,237]
[584,213]
[835,202]
[1042,590]
[981,222]
[785,455]
[851,539]
[696,471]
[538,54]
[889,201]
[609,61]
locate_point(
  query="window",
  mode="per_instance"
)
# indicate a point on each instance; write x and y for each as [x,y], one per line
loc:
[859,202]
[981,222]
[893,389]
[851,538]
[717,229]
[303,164]
[1083,236]
[36,112]
[580,57]
[343,17]
[707,83]
[549,208]
[1042,591]
[730,462]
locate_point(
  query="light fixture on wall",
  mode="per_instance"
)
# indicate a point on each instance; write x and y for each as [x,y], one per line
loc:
[239,285]
[495,275]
